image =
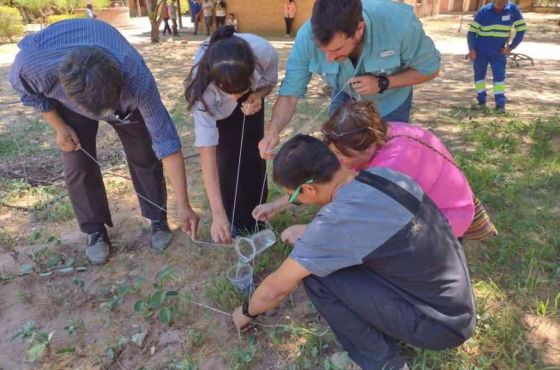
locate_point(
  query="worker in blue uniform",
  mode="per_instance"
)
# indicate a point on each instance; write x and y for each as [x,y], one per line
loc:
[489,42]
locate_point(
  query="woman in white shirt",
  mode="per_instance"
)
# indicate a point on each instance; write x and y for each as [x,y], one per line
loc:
[225,89]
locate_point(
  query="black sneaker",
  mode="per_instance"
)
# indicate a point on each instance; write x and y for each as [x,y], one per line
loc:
[161,235]
[98,247]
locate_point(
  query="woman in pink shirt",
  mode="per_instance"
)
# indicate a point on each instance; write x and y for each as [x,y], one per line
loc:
[289,15]
[361,139]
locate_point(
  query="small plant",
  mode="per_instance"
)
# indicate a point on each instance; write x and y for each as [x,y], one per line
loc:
[220,292]
[161,302]
[38,340]
[120,292]
[244,354]
[185,364]
[75,326]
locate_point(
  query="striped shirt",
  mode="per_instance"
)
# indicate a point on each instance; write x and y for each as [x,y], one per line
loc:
[34,76]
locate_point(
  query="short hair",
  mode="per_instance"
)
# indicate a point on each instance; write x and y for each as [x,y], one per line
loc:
[92,79]
[333,16]
[303,158]
[355,125]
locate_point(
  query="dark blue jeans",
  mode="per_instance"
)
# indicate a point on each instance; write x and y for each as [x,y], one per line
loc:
[401,114]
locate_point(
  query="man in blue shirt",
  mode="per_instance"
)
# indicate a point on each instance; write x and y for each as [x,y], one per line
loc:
[372,50]
[488,40]
[78,72]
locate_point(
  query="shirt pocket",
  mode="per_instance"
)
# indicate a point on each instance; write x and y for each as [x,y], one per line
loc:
[327,71]
[388,65]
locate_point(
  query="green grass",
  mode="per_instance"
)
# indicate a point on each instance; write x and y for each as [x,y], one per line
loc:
[26,140]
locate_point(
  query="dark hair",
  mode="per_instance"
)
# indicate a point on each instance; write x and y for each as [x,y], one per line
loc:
[355,125]
[91,78]
[89,6]
[228,61]
[333,16]
[302,158]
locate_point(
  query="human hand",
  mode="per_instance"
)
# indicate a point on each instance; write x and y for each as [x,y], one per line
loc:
[471,55]
[240,321]
[506,50]
[267,144]
[293,233]
[220,229]
[188,219]
[252,105]
[67,139]
[264,212]
[365,85]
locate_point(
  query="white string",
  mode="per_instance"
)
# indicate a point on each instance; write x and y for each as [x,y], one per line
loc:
[119,175]
[238,172]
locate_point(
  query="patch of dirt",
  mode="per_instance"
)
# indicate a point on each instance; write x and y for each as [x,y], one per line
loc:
[544,334]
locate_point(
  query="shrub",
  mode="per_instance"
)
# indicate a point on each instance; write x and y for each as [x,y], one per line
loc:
[11,23]
[57,18]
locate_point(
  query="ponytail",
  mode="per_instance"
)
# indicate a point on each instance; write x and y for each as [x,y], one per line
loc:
[228,61]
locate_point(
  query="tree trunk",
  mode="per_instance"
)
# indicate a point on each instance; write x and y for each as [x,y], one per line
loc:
[154,33]
[154,14]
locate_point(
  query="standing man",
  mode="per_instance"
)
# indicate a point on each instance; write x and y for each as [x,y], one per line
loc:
[488,40]
[379,261]
[172,9]
[78,72]
[195,15]
[372,50]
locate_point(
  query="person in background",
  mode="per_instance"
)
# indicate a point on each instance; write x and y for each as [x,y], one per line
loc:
[370,50]
[195,8]
[208,12]
[289,15]
[378,261]
[81,71]
[232,21]
[488,40]
[89,11]
[165,17]
[221,12]
[173,15]
[225,89]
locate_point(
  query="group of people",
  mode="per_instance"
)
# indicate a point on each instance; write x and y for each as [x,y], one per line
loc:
[382,260]
[208,9]
[169,11]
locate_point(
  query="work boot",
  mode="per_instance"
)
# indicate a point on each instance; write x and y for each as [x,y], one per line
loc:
[161,235]
[98,247]
[343,362]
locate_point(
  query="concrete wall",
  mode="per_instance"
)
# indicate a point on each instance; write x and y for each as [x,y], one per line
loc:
[267,16]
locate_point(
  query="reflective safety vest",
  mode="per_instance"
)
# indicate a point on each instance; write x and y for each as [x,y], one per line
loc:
[491,31]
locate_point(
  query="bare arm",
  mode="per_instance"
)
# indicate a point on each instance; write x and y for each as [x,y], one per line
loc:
[174,166]
[220,229]
[282,114]
[66,138]
[273,291]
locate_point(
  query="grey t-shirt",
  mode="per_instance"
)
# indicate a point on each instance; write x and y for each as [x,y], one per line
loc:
[358,220]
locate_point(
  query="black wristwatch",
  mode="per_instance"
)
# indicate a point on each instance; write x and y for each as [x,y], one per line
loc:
[245,310]
[383,83]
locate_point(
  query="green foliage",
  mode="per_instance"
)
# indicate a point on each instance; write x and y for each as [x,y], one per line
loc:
[221,293]
[38,340]
[57,18]
[11,23]
[163,301]
[244,354]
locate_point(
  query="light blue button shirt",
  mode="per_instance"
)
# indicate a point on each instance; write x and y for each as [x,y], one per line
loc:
[394,41]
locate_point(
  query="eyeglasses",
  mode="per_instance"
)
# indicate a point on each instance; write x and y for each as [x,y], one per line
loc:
[293,197]
[122,121]
[335,135]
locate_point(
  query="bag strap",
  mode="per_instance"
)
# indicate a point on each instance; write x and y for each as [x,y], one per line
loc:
[427,146]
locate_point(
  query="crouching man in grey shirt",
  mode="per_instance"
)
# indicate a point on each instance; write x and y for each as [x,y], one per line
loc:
[378,261]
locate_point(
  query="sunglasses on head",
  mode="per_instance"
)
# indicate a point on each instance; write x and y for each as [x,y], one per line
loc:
[295,194]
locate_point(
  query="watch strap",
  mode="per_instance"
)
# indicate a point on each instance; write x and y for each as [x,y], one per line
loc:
[245,310]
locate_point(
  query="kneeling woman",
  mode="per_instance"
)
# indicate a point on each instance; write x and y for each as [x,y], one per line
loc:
[361,139]
[225,89]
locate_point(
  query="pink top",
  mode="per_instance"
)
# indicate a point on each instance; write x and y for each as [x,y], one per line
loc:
[444,183]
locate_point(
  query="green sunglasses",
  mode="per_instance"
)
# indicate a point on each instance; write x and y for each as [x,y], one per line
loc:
[294,196]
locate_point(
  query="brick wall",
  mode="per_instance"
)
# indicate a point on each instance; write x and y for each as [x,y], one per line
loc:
[267,16]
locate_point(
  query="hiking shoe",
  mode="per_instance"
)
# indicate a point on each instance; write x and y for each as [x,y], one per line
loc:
[343,362]
[501,110]
[98,247]
[161,235]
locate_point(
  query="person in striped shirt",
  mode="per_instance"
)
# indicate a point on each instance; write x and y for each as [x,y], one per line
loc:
[81,71]
[489,42]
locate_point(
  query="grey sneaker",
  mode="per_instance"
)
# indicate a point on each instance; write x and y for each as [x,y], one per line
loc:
[343,362]
[161,235]
[98,247]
